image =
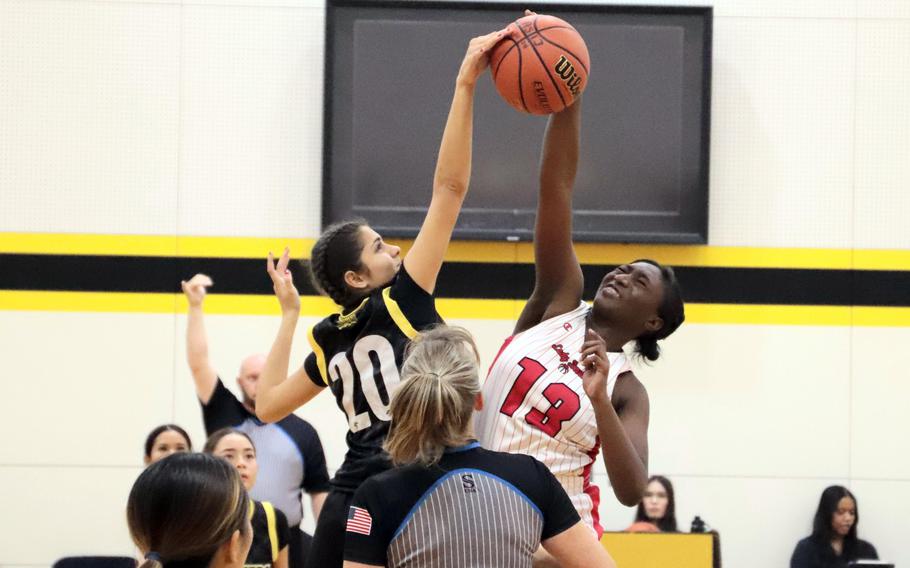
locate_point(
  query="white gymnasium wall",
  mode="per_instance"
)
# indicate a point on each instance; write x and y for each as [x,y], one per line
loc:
[204,118]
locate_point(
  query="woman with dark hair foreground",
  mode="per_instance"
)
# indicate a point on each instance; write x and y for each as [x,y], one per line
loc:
[190,511]
[833,543]
[453,503]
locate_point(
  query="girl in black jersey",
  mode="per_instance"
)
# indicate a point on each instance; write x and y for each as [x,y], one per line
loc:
[270,526]
[453,503]
[385,301]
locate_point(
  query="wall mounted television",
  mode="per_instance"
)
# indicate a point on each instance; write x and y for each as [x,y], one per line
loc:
[643,173]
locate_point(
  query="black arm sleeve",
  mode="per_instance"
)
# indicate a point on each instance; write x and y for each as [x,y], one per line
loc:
[223,410]
[312,370]
[281,527]
[559,514]
[417,305]
[315,476]
[369,548]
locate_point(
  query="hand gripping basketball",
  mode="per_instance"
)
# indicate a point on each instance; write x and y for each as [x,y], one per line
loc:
[477,58]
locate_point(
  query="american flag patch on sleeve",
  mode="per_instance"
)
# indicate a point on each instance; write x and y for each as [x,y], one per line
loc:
[359,521]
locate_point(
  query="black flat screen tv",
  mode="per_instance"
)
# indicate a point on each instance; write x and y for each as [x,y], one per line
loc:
[643,172]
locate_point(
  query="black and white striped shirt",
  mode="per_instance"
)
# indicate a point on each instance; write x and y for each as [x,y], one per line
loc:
[475,508]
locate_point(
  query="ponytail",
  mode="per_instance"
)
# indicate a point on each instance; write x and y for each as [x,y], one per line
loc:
[433,406]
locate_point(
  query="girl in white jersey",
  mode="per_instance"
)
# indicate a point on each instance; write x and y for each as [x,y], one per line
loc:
[561,387]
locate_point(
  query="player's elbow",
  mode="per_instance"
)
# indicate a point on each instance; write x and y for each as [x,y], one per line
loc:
[630,495]
[265,411]
[451,186]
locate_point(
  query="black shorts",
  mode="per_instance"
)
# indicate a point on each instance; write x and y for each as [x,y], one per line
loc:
[327,548]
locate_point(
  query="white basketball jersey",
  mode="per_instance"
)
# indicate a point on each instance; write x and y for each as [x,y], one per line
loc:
[535,404]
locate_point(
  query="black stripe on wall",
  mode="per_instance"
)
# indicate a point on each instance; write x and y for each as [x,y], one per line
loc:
[457,280]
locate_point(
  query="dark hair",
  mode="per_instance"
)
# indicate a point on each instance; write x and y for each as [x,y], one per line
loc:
[184,508]
[336,251]
[217,435]
[821,527]
[671,310]
[668,522]
[153,435]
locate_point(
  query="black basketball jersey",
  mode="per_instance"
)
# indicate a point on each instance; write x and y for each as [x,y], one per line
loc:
[270,535]
[358,355]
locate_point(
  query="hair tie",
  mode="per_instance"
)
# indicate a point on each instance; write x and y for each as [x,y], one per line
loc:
[154,556]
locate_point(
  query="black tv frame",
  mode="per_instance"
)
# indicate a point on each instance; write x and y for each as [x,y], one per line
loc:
[699,236]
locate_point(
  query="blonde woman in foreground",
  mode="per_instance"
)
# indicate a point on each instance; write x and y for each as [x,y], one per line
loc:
[449,501]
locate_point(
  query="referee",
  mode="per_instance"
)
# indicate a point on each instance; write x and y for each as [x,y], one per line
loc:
[452,503]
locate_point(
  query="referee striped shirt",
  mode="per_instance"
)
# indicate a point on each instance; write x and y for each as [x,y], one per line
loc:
[475,508]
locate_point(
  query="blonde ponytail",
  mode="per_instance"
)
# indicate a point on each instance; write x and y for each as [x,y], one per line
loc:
[432,408]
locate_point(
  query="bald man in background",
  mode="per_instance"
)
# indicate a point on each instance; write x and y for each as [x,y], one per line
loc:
[290,456]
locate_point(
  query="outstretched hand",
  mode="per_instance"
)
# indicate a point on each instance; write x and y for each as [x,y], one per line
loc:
[283,282]
[596,365]
[196,288]
[477,58]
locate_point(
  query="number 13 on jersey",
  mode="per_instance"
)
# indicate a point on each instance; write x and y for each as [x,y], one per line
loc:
[564,402]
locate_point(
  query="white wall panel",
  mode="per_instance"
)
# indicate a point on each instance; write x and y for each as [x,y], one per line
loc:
[885,9]
[88,386]
[881,393]
[883,134]
[64,511]
[882,507]
[782,133]
[89,95]
[748,400]
[251,160]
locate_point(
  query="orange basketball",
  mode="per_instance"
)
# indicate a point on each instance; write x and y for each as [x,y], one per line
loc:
[541,64]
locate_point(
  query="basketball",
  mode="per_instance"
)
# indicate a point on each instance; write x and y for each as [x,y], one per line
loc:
[541,65]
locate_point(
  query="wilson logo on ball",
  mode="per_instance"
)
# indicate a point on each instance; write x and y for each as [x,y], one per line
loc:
[566,72]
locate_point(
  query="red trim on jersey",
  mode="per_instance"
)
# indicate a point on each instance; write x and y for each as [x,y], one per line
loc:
[593,491]
[501,349]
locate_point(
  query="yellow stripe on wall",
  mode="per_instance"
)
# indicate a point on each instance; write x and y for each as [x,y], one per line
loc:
[459,251]
[449,308]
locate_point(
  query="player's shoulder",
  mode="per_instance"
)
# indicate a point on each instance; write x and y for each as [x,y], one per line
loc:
[570,321]
[629,388]
[297,428]
[397,483]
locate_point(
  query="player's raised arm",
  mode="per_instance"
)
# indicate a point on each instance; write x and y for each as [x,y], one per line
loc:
[278,394]
[197,344]
[558,283]
[453,169]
